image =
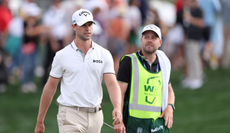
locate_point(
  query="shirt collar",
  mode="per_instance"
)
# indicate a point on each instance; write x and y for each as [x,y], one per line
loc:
[141,54]
[74,46]
[143,57]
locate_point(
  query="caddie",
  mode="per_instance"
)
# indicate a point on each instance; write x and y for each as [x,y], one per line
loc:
[147,94]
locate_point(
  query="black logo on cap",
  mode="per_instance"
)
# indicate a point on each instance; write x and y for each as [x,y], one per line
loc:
[85,13]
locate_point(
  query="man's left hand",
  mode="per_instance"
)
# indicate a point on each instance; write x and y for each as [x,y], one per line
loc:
[168,115]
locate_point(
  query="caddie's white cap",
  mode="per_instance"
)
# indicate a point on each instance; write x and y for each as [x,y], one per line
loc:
[153,28]
[82,16]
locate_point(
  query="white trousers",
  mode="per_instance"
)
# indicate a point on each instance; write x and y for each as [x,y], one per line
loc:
[194,63]
[71,120]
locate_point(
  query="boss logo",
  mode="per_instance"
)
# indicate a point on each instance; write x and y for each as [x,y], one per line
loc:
[97,61]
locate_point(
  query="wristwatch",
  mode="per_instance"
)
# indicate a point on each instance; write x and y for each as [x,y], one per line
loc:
[172,106]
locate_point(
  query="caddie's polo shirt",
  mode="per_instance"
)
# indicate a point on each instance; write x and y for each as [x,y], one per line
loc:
[81,75]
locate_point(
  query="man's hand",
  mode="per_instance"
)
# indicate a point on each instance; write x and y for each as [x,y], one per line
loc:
[168,115]
[40,128]
[117,116]
[119,128]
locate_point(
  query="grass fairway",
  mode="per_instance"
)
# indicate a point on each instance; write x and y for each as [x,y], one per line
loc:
[205,110]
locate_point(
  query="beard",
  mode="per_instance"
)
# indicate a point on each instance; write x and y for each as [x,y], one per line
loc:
[149,51]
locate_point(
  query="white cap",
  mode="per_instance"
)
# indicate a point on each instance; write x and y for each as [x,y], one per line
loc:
[32,9]
[81,17]
[153,28]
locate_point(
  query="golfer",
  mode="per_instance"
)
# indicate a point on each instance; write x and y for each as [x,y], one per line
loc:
[81,66]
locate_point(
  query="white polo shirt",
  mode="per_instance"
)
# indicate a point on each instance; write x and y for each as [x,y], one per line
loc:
[81,75]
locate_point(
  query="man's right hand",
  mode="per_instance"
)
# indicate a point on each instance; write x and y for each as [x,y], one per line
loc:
[40,128]
[117,116]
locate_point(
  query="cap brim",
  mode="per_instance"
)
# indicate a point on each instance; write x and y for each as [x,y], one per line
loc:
[83,22]
[150,30]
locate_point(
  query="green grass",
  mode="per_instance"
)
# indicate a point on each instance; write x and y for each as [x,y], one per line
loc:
[205,110]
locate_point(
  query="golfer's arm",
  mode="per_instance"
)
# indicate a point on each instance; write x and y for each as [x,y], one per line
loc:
[123,87]
[113,90]
[171,95]
[47,97]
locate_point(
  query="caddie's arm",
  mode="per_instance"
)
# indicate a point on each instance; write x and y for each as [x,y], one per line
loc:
[168,112]
[115,96]
[46,99]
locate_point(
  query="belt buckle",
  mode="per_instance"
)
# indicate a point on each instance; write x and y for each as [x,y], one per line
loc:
[97,109]
[94,110]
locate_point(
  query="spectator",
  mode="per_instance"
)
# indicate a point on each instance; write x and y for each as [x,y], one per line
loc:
[179,4]
[134,20]
[28,51]
[176,37]
[3,71]
[118,31]
[13,45]
[55,25]
[211,9]
[5,19]
[226,20]
[193,22]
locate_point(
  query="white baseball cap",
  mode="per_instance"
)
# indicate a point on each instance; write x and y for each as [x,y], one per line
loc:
[82,16]
[32,9]
[153,28]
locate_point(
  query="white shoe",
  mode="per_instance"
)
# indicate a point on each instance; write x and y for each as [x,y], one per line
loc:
[25,88]
[32,87]
[195,84]
[39,71]
[29,87]
[185,83]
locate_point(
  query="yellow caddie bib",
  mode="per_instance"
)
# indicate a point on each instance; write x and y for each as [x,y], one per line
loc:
[145,92]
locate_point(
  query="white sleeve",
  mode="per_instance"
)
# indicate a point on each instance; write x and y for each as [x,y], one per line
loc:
[56,69]
[109,64]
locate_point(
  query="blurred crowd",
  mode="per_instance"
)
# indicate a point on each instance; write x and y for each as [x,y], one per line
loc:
[196,34]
